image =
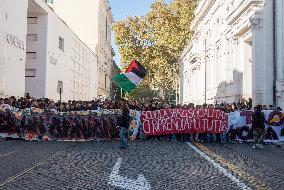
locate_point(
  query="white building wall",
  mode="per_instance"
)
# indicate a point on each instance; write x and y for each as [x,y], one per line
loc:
[258,59]
[75,64]
[222,46]
[82,17]
[96,34]
[104,50]
[280,52]
[13,19]
[36,44]
[268,58]
[263,54]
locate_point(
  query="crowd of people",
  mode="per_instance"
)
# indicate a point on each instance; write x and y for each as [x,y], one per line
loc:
[62,126]
[72,105]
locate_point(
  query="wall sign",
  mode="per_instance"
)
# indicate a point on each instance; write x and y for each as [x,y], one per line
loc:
[60,87]
[14,40]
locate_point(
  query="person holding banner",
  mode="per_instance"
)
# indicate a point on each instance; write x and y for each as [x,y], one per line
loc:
[124,125]
[258,127]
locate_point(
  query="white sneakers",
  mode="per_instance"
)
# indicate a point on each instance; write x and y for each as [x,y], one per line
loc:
[257,145]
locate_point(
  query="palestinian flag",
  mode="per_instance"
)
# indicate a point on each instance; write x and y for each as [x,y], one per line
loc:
[132,77]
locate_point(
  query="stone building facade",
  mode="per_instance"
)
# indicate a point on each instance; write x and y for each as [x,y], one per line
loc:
[217,65]
[13,29]
[268,54]
[92,22]
[57,56]
[39,51]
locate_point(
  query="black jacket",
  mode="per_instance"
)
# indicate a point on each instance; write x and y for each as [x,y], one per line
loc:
[125,119]
[258,120]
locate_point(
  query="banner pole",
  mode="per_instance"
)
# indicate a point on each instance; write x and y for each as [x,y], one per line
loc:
[60,96]
[176,92]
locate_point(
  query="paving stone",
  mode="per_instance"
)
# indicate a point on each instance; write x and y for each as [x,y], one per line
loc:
[87,165]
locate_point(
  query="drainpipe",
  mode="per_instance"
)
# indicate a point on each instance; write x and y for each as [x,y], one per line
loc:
[274,54]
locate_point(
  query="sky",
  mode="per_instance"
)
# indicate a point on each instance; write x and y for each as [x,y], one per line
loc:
[123,8]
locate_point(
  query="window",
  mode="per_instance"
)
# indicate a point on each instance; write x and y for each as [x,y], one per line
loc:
[31,37]
[49,1]
[30,72]
[32,20]
[53,60]
[31,55]
[61,43]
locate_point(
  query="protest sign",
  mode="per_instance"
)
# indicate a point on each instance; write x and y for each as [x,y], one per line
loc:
[240,124]
[37,124]
[174,121]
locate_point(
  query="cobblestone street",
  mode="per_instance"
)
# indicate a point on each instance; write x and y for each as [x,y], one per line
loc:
[165,165]
[142,95]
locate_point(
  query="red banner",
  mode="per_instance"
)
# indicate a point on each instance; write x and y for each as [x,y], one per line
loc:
[173,121]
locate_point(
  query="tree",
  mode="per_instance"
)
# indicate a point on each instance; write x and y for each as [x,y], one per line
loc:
[157,41]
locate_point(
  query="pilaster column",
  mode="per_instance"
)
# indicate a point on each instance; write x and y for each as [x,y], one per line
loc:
[258,58]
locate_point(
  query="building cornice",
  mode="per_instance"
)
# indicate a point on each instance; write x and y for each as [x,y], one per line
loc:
[202,9]
[194,57]
[243,7]
[184,53]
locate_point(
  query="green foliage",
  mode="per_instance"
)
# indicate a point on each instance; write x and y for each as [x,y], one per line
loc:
[157,41]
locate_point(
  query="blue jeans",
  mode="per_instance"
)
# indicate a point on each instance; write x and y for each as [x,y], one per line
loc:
[223,138]
[122,134]
[141,133]
[211,138]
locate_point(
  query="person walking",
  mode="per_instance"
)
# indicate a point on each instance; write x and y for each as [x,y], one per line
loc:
[258,127]
[124,125]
